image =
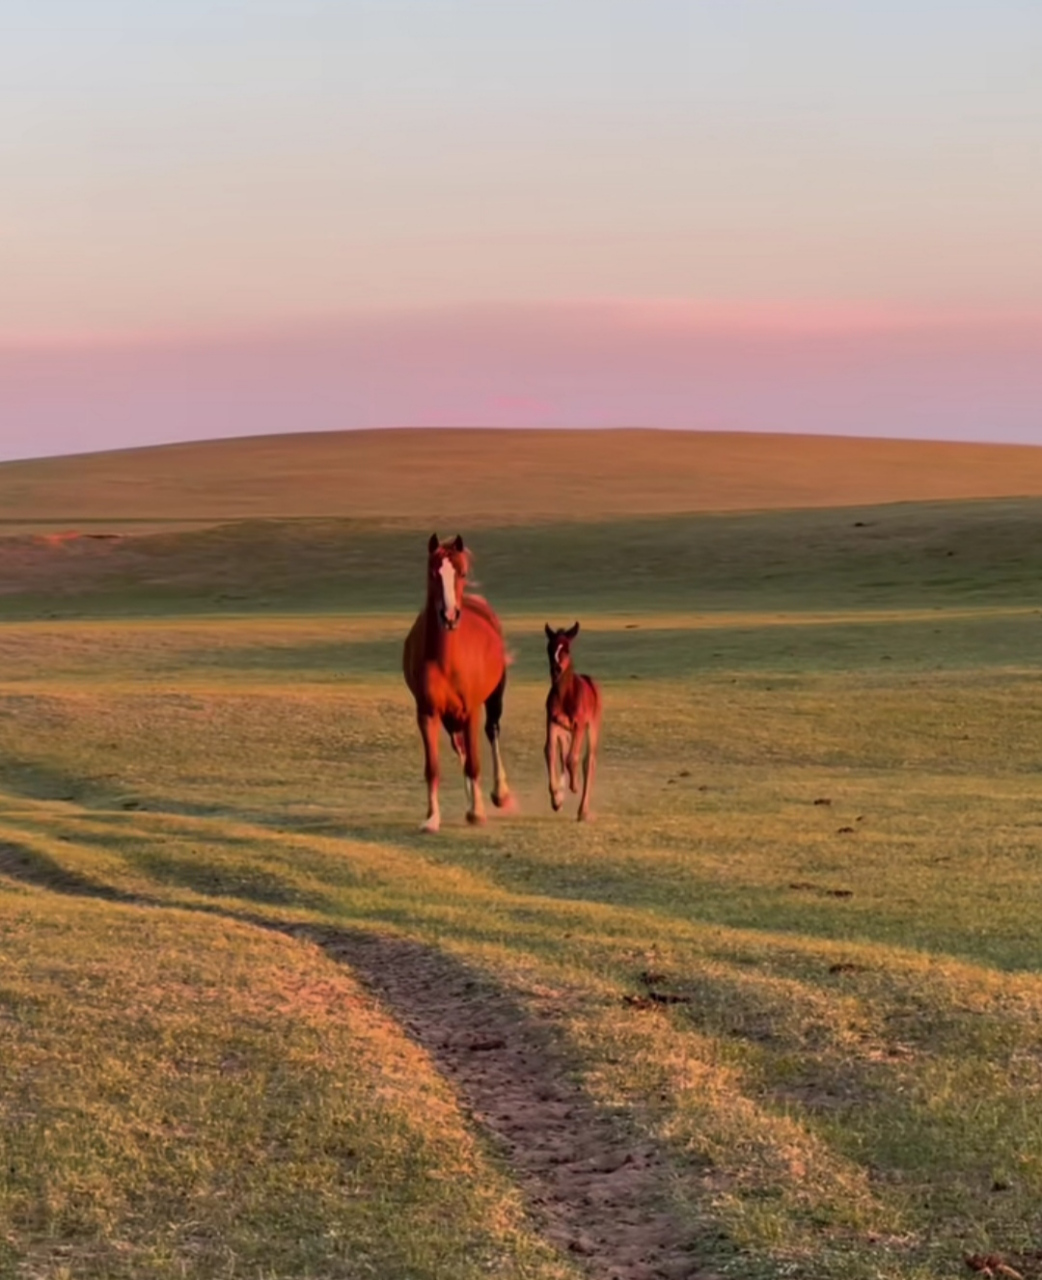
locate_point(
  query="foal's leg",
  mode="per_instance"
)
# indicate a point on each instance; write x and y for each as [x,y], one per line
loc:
[472,772]
[554,744]
[501,796]
[429,732]
[589,768]
[578,733]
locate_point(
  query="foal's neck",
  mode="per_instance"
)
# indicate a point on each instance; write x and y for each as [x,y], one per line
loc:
[564,678]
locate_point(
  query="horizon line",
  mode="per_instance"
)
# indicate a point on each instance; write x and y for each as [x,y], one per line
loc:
[835,436]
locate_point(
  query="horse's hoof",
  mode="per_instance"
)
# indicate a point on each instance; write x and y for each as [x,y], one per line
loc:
[585,817]
[506,801]
[430,827]
[556,800]
[573,786]
[476,819]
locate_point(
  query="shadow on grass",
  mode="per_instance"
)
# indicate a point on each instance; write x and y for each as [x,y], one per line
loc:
[230,880]
[32,867]
[594,1189]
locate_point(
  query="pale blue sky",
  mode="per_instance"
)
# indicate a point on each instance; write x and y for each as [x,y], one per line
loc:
[200,164]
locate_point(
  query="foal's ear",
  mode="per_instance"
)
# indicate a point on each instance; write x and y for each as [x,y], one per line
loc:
[572,631]
[458,544]
[433,544]
[550,632]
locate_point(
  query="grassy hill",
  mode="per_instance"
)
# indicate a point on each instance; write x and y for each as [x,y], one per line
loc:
[496,477]
[778,1012]
[879,557]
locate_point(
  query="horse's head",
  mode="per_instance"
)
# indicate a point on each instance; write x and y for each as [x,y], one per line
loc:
[559,648]
[447,566]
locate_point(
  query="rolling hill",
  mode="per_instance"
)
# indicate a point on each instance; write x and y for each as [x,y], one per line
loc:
[498,477]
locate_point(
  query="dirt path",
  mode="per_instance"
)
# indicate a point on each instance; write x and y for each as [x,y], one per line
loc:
[594,1192]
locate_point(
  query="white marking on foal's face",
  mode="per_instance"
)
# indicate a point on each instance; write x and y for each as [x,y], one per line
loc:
[560,656]
[449,610]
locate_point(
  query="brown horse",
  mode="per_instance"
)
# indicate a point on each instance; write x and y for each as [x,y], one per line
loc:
[573,712]
[455,660]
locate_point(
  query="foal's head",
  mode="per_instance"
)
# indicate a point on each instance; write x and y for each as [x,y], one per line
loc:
[447,565]
[559,648]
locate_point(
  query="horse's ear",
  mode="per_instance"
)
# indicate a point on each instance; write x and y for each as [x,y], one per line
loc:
[550,632]
[433,544]
[458,544]
[572,631]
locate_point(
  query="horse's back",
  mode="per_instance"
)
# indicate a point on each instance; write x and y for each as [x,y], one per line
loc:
[484,633]
[594,696]
[479,607]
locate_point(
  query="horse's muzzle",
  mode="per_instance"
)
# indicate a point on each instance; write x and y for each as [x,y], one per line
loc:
[450,624]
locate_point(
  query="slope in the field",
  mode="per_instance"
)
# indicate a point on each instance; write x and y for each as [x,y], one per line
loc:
[502,476]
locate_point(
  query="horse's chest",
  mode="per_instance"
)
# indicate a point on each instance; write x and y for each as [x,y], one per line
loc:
[565,706]
[443,687]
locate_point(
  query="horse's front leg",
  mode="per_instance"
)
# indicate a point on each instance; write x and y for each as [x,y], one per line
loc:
[472,772]
[554,737]
[429,726]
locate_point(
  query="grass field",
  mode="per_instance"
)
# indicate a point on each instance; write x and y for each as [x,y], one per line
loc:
[778,1012]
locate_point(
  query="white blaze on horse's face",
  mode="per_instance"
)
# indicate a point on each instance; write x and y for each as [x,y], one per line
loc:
[449,610]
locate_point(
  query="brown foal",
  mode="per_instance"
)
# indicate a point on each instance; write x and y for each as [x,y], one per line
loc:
[573,712]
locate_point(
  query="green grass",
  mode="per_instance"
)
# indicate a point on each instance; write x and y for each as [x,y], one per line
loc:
[189,1096]
[916,555]
[850,1086]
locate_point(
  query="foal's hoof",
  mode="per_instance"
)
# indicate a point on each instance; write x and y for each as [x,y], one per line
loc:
[505,801]
[476,819]
[556,800]
[431,827]
[573,786]
[585,817]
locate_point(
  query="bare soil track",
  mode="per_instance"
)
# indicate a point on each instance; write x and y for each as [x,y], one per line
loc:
[596,1192]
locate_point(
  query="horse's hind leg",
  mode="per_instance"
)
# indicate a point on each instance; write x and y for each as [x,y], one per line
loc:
[589,769]
[554,735]
[572,761]
[501,796]
[472,773]
[456,739]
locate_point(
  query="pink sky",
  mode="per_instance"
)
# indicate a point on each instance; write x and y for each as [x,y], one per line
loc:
[848,370]
[809,216]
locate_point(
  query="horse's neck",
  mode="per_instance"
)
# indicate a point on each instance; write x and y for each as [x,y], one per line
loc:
[439,642]
[563,682]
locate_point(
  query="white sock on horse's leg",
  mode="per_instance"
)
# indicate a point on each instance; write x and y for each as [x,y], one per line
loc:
[476,812]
